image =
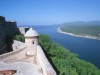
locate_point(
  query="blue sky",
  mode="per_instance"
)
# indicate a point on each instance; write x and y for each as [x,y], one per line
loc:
[33,12]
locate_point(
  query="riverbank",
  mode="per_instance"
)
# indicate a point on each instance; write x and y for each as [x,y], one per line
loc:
[83,36]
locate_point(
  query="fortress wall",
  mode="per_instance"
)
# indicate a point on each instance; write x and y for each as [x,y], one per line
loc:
[24,54]
[2,20]
[44,63]
[14,55]
[11,27]
[2,36]
[6,28]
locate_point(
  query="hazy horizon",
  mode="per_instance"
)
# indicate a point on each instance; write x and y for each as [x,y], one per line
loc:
[48,12]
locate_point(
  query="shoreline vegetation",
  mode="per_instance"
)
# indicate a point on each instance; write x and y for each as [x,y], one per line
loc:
[72,34]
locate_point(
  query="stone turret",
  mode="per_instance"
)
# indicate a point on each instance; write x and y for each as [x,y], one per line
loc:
[31,37]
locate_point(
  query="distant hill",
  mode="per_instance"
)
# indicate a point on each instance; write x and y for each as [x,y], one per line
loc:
[82,23]
[90,29]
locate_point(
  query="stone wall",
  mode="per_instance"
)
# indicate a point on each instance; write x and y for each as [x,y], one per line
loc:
[2,20]
[7,28]
[11,27]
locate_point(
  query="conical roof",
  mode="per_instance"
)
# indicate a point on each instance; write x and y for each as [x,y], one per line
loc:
[31,33]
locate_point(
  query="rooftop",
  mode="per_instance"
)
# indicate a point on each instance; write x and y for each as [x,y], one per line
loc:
[31,33]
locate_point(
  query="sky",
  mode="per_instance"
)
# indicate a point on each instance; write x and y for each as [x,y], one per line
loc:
[47,12]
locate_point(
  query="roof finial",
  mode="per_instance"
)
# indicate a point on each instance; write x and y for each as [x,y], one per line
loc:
[31,28]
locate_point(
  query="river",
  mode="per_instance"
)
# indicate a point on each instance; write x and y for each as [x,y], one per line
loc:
[87,49]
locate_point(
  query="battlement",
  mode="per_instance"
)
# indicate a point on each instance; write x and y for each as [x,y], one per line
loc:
[2,19]
[7,27]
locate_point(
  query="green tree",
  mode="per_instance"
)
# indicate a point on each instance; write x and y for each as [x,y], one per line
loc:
[19,37]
